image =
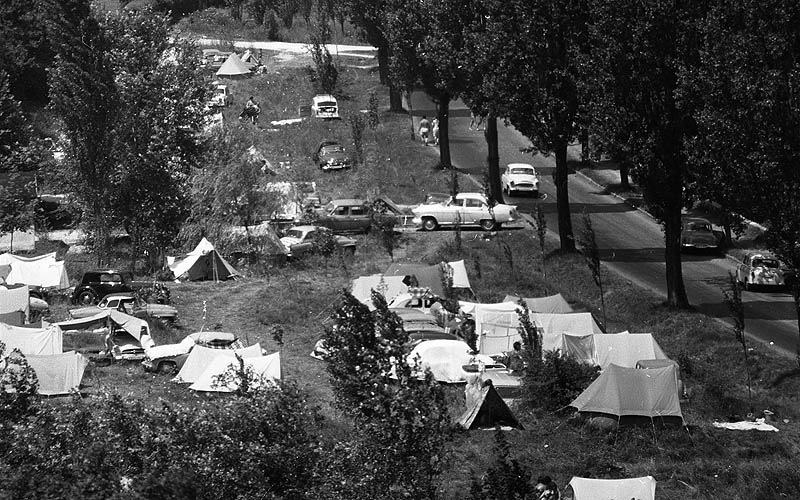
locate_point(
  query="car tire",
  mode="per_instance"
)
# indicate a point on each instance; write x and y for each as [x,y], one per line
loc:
[86,297]
[166,367]
[349,251]
[429,224]
[488,224]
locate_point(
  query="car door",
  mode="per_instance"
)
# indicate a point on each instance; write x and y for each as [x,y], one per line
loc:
[742,270]
[337,218]
[306,245]
[360,220]
[454,212]
[474,211]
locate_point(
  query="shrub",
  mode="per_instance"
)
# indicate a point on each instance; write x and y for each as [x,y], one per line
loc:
[559,380]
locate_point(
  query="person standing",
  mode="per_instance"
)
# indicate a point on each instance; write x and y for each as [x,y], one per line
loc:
[435,125]
[424,130]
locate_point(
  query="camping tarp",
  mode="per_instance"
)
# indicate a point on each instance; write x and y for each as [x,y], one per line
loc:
[233,67]
[626,392]
[431,276]
[90,323]
[267,370]
[32,341]
[135,327]
[578,347]
[550,304]
[389,286]
[202,263]
[485,408]
[58,373]
[445,359]
[636,488]
[201,357]
[43,270]
[15,299]
[625,349]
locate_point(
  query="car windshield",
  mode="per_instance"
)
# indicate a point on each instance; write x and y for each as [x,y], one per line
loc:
[327,104]
[295,233]
[771,263]
[522,170]
[699,226]
[334,148]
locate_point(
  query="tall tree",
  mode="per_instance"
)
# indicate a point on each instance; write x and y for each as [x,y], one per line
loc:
[646,47]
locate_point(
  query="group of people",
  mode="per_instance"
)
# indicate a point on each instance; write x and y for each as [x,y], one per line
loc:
[251,111]
[429,131]
[546,489]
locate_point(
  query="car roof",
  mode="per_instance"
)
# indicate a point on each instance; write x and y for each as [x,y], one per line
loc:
[347,201]
[324,97]
[761,255]
[118,294]
[212,335]
[476,196]
[305,227]
[520,165]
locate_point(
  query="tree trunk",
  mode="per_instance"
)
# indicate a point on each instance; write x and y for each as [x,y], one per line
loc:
[493,158]
[395,99]
[383,64]
[443,115]
[624,174]
[796,297]
[676,292]
[562,199]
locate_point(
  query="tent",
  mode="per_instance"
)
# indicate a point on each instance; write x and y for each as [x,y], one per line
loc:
[201,357]
[43,271]
[202,263]
[432,276]
[233,67]
[485,408]
[389,286]
[550,304]
[638,488]
[18,241]
[266,369]
[625,349]
[445,359]
[58,373]
[32,341]
[91,323]
[630,392]
[15,300]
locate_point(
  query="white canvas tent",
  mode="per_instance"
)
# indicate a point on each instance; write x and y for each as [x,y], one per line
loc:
[389,286]
[43,271]
[267,370]
[233,67]
[445,359]
[32,341]
[202,263]
[15,301]
[603,349]
[201,358]
[638,488]
[550,304]
[58,373]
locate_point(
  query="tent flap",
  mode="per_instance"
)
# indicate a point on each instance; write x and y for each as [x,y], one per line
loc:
[638,488]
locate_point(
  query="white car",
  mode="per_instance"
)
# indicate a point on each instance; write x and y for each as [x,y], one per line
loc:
[520,178]
[221,96]
[465,209]
[325,106]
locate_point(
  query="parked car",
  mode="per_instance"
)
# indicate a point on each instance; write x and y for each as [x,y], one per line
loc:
[331,155]
[99,283]
[221,96]
[699,234]
[762,270]
[301,240]
[170,358]
[348,216]
[129,304]
[465,209]
[520,178]
[325,106]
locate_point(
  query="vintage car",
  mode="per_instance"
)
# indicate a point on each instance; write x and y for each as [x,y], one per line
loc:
[99,283]
[464,209]
[331,155]
[221,95]
[520,178]
[698,234]
[129,304]
[301,240]
[761,270]
[325,106]
[349,216]
[170,358]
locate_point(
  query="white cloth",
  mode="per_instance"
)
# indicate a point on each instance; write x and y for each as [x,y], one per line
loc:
[758,425]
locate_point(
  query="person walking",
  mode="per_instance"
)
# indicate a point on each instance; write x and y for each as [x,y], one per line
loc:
[476,121]
[435,125]
[424,130]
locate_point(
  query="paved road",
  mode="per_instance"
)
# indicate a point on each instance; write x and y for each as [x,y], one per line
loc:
[631,243]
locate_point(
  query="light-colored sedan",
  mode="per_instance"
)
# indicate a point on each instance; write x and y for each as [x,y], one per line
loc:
[757,269]
[520,178]
[301,240]
[465,209]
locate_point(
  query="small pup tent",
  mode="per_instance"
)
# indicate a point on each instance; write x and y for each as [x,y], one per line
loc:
[32,341]
[43,270]
[200,358]
[233,67]
[485,408]
[638,488]
[202,263]
[58,373]
[265,369]
[631,392]
[552,304]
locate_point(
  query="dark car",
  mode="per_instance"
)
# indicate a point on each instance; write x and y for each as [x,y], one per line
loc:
[99,283]
[345,216]
[698,234]
[331,155]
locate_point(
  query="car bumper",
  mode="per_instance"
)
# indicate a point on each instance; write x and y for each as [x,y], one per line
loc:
[524,188]
[334,166]
[149,365]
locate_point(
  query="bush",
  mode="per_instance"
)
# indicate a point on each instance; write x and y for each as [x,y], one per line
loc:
[558,381]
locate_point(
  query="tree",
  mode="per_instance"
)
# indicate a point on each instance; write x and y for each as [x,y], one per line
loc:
[645,47]
[591,254]
[27,51]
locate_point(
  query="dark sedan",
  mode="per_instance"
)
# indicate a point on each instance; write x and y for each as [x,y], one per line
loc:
[331,155]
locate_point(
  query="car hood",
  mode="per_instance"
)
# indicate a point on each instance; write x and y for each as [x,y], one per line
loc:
[84,312]
[170,350]
[334,156]
[160,310]
[288,241]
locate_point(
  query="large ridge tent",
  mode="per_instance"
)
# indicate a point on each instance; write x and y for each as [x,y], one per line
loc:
[32,341]
[58,373]
[233,67]
[630,392]
[201,358]
[636,488]
[202,263]
[266,369]
[15,304]
[550,304]
[43,270]
[389,286]
[603,349]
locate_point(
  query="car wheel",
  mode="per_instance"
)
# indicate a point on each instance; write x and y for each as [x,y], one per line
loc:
[488,225]
[349,251]
[166,367]
[87,297]
[429,224]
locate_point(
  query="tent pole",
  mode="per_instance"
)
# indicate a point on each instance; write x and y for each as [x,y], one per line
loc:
[653,425]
